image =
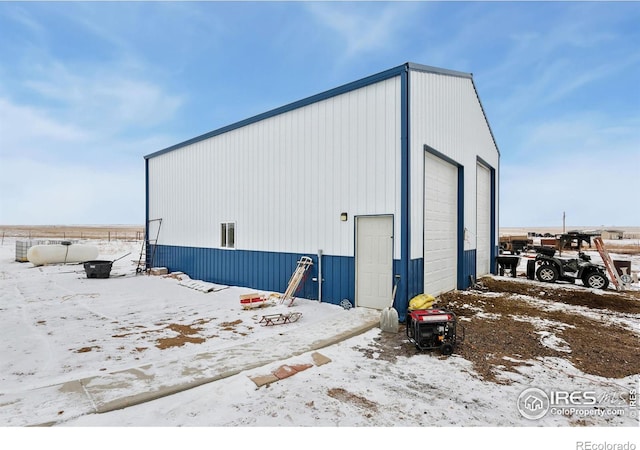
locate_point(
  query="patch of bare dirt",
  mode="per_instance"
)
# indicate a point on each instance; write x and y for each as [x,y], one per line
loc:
[183,329]
[625,302]
[389,346]
[178,341]
[86,349]
[185,336]
[596,348]
[348,397]
[503,332]
[230,326]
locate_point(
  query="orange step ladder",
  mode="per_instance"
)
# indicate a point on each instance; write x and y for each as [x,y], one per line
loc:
[608,263]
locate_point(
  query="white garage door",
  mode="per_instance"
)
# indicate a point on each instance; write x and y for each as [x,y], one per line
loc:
[483,220]
[374,261]
[440,225]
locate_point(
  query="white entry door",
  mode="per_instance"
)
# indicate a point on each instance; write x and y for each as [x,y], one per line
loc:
[440,225]
[374,261]
[483,217]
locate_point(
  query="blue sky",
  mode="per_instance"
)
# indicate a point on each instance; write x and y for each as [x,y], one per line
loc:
[88,89]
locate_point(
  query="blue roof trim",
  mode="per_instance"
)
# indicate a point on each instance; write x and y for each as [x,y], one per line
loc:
[396,71]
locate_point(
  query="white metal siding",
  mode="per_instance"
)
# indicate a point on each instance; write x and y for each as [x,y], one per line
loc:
[440,225]
[483,207]
[285,180]
[446,115]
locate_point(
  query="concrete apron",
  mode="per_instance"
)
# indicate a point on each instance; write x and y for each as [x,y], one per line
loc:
[121,389]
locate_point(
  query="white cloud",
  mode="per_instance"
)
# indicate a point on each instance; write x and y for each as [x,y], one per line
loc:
[587,165]
[593,190]
[100,96]
[69,193]
[551,84]
[22,126]
[578,135]
[78,118]
[53,173]
[363,27]
[20,16]
[73,130]
[544,62]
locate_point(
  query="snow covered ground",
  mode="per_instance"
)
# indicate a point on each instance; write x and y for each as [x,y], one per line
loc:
[59,326]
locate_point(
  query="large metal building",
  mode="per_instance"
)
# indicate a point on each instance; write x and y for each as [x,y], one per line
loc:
[393,177]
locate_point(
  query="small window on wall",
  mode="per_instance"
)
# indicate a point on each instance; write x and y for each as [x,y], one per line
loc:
[227,235]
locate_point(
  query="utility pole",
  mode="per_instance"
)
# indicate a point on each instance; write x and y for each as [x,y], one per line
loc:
[563,217]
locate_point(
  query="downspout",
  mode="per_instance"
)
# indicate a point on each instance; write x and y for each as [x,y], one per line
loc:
[320,280]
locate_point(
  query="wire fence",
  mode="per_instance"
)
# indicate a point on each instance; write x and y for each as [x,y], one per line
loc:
[105,233]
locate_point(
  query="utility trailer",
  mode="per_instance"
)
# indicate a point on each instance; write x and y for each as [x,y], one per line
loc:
[514,244]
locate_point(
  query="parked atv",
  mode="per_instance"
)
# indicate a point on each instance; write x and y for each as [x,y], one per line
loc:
[551,269]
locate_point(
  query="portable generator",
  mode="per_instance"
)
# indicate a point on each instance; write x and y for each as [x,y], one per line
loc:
[432,329]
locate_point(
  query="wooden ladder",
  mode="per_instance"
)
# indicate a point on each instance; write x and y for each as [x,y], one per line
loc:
[296,278]
[145,262]
[608,263]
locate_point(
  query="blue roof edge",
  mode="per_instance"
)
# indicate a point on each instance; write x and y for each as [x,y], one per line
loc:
[381,76]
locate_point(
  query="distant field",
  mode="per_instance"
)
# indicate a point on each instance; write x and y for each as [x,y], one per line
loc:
[625,247]
[107,232]
[629,232]
[630,245]
[136,232]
